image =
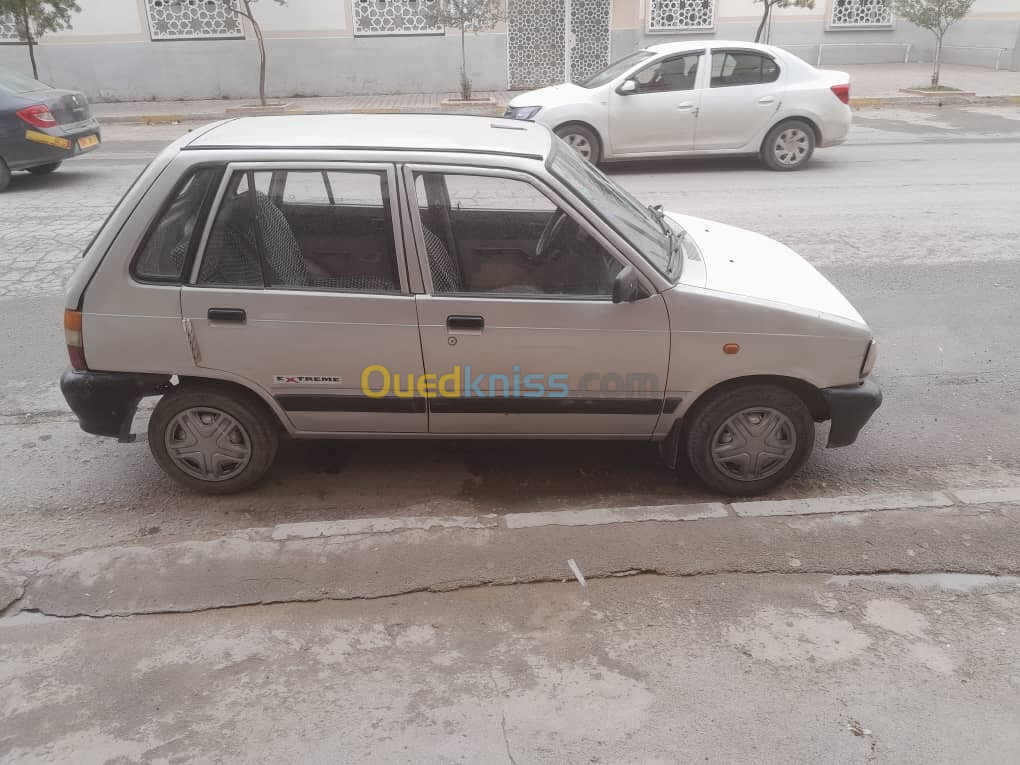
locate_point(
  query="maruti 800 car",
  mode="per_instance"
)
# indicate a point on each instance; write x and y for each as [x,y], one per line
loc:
[404,276]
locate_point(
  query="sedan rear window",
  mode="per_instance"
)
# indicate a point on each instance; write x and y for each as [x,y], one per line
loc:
[733,67]
[19,83]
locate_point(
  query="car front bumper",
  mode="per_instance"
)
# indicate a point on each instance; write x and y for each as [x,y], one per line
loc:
[850,408]
[43,146]
[105,402]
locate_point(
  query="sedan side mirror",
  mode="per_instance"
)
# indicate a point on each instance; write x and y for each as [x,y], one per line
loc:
[627,287]
[627,87]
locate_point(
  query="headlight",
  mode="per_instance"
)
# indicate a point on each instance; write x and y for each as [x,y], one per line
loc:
[522,112]
[869,359]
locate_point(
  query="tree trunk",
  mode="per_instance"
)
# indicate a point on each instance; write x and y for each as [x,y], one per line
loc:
[764,19]
[31,45]
[262,53]
[465,82]
[937,64]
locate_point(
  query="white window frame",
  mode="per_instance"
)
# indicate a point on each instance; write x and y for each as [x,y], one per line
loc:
[438,32]
[831,26]
[649,29]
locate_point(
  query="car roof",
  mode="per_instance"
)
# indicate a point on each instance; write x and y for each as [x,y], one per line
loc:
[686,45]
[388,132]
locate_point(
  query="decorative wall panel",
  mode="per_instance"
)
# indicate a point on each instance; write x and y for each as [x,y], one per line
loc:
[192,19]
[671,15]
[7,31]
[536,31]
[861,13]
[394,17]
[589,27]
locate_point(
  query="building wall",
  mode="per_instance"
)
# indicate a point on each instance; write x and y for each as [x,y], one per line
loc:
[314,48]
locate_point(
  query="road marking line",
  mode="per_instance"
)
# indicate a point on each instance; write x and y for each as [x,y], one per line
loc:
[987,496]
[606,515]
[317,529]
[852,504]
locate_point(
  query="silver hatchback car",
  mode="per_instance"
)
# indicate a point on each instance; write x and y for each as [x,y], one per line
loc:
[359,276]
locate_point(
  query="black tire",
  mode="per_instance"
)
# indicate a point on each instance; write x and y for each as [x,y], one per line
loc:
[580,135]
[44,169]
[5,175]
[259,433]
[708,422]
[788,146]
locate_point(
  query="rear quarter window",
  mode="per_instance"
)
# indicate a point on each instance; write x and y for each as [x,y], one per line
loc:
[169,243]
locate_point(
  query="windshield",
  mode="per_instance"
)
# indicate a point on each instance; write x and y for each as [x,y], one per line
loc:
[19,83]
[617,68]
[640,226]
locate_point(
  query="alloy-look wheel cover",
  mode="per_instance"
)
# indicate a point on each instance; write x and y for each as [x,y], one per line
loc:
[791,146]
[754,444]
[579,143]
[208,444]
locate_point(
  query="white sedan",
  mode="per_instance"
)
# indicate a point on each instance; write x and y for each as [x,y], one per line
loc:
[695,98]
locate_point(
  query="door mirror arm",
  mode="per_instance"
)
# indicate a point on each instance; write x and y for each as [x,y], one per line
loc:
[627,88]
[627,287]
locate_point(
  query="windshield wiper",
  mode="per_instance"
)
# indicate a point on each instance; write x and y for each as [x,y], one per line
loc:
[660,215]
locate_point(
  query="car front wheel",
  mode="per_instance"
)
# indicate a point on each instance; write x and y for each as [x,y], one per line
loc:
[5,175]
[213,440]
[746,440]
[789,145]
[582,140]
[43,169]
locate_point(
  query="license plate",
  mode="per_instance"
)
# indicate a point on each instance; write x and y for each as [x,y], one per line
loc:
[88,142]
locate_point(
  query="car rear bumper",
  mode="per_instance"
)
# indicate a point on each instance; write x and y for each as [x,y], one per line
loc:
[105,402]
[850,408]
[43,146]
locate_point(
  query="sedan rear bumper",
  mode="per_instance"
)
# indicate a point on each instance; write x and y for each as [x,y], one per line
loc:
[42,146]
[105,402]
[850,408]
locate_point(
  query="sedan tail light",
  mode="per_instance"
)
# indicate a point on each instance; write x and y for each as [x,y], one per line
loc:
[38,116]
[842,92]
[73,339]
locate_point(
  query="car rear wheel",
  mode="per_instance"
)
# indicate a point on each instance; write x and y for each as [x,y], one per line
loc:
[43,169]
[582,140]
[5,175]
[212,440]
[746,440]
[789,145]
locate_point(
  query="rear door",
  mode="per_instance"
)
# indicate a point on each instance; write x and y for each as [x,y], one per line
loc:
[301,287]
[744,92]
[519,331]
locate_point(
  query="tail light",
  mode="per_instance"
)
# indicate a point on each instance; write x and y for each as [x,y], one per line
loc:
[38,116]
[73,339]
[842,92]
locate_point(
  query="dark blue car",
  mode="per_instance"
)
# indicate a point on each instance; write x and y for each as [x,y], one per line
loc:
[41,126]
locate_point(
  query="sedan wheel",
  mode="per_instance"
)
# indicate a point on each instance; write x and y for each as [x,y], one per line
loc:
[754,444]
[789,146]
[582,140]
[208,444]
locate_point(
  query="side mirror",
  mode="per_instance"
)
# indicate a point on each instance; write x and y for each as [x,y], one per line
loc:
[627,286]
[627,87]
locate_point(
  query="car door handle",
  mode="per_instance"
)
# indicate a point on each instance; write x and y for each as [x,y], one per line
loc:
[236,315]
[685,105]
[767,100]
[465,323]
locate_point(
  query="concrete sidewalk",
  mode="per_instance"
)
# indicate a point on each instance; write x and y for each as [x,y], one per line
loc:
[871,85]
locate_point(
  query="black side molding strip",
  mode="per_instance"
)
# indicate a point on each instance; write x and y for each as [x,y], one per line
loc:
[519,405]
[340,403]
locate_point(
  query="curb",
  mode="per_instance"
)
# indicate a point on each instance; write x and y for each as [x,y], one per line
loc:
[497,109]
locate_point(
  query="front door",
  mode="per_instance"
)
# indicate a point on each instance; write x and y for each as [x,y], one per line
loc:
[552,41]
[302,287]
[660,115]
[519,332]
[744,93]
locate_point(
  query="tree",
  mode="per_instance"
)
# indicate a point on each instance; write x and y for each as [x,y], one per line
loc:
[465,15]
[936,16]
[34,18]
[770,4]
[249,14]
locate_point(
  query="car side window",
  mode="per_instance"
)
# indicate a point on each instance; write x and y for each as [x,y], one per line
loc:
[164,253]
[668,75]
[304,229]
[502,237]
[731,68]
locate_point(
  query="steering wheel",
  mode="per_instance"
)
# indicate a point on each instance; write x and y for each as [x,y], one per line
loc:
[551,234]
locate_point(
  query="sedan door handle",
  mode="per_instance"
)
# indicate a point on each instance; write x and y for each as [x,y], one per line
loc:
[767,100]
[685,105]
[236,315]
[473,324]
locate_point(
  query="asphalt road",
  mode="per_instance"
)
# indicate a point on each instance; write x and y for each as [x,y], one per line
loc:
[915,220]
